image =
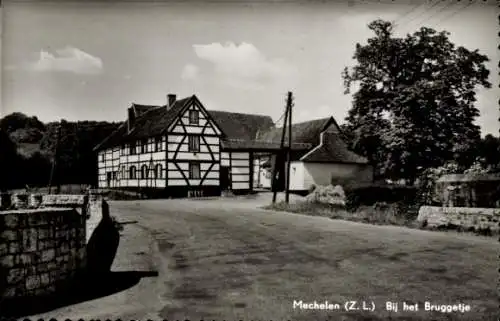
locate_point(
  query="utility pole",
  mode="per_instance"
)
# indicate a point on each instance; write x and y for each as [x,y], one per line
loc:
[289,104]
[279,156]
[54,160]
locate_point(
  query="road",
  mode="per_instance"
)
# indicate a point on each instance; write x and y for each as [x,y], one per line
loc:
[226,259]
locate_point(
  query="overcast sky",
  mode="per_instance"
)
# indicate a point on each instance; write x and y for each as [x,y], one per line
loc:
[90,61]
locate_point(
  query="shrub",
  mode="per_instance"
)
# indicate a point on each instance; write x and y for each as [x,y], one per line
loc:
[375,193]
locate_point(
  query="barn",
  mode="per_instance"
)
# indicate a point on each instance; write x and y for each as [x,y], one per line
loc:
[183,149]
[319,156]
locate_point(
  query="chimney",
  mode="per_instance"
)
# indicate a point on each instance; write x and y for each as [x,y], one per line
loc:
[171,100]
[131,118]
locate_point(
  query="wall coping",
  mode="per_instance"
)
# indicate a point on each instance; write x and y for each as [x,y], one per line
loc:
[426,210]
[36,210]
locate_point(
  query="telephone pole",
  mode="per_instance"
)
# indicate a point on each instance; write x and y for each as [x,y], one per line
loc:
[280,155]
[289,104]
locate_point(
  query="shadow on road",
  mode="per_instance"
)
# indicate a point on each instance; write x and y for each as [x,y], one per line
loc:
[85,289]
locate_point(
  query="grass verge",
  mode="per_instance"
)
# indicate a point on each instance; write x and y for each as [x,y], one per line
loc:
[379,214]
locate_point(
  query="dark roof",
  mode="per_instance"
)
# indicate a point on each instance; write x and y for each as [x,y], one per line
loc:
[153,121]
[306,132]
[156,121]
[141,109]
[333,149]
[241,131]
[262,145]
[456,178]
[241,126]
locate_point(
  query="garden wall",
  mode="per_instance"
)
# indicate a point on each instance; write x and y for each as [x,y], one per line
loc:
[43,241]
[90,205]
[465,217]
[41,250]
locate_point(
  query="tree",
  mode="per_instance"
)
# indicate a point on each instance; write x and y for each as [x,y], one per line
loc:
[8,162]
[15,121]
[489,152]
[414,108]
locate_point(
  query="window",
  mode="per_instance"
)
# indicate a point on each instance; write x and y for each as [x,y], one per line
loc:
[123,150]
[132,148]
[157,144]
[144,172]
[144,146]
[132,172]
[158,171]
[194,171]
[194,143]
[194,117]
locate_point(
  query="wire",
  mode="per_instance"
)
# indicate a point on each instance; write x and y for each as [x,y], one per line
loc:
[421,14]
[281,118]
[455,12]
[437,13]
[398,20]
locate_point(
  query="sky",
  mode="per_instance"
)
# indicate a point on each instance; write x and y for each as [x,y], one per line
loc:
[91,60]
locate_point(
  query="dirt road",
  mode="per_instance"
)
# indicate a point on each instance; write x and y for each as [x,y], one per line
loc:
[225,259]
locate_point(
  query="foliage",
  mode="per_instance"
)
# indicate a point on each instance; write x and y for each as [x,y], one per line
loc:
[428,179]
[312,188]
[377,193]
[488,151]
[379,213]
[15,121]
[8,160]
[76,158]
[414,108]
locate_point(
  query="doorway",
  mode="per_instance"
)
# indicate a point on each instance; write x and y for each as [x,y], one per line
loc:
[108,179]
[225,179]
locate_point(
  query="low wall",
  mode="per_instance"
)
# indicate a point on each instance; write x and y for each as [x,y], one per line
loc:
[41,250]
[43,241]
[467,218]
[89,206]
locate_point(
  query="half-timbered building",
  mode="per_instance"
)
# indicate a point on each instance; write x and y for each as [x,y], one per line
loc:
[182,149]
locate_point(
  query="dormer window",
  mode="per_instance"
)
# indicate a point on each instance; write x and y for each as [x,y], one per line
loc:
[132,148]
[194,117]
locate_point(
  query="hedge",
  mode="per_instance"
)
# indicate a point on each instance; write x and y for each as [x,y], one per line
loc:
[372,194]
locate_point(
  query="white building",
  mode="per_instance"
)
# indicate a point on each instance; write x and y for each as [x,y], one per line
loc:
[183,147]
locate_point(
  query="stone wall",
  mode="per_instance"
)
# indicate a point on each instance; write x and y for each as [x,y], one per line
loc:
[41,250]
[89,205]
[94,214]
[43,240]
[467,218]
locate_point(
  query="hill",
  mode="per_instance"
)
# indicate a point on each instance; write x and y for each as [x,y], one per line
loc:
[35,144]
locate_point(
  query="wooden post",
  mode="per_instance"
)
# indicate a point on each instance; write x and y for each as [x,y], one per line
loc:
[289,149]
[54,159]
[279,156]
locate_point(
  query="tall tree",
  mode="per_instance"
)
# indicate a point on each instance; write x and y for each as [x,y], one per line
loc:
[9,161]
[489,152]
[414,107]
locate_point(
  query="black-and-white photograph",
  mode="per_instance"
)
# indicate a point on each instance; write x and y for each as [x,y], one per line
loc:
[250,160]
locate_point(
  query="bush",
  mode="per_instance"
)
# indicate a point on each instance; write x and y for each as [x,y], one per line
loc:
[379,213]
[372,194]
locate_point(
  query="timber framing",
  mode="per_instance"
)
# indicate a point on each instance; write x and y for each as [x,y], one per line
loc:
[161,138]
